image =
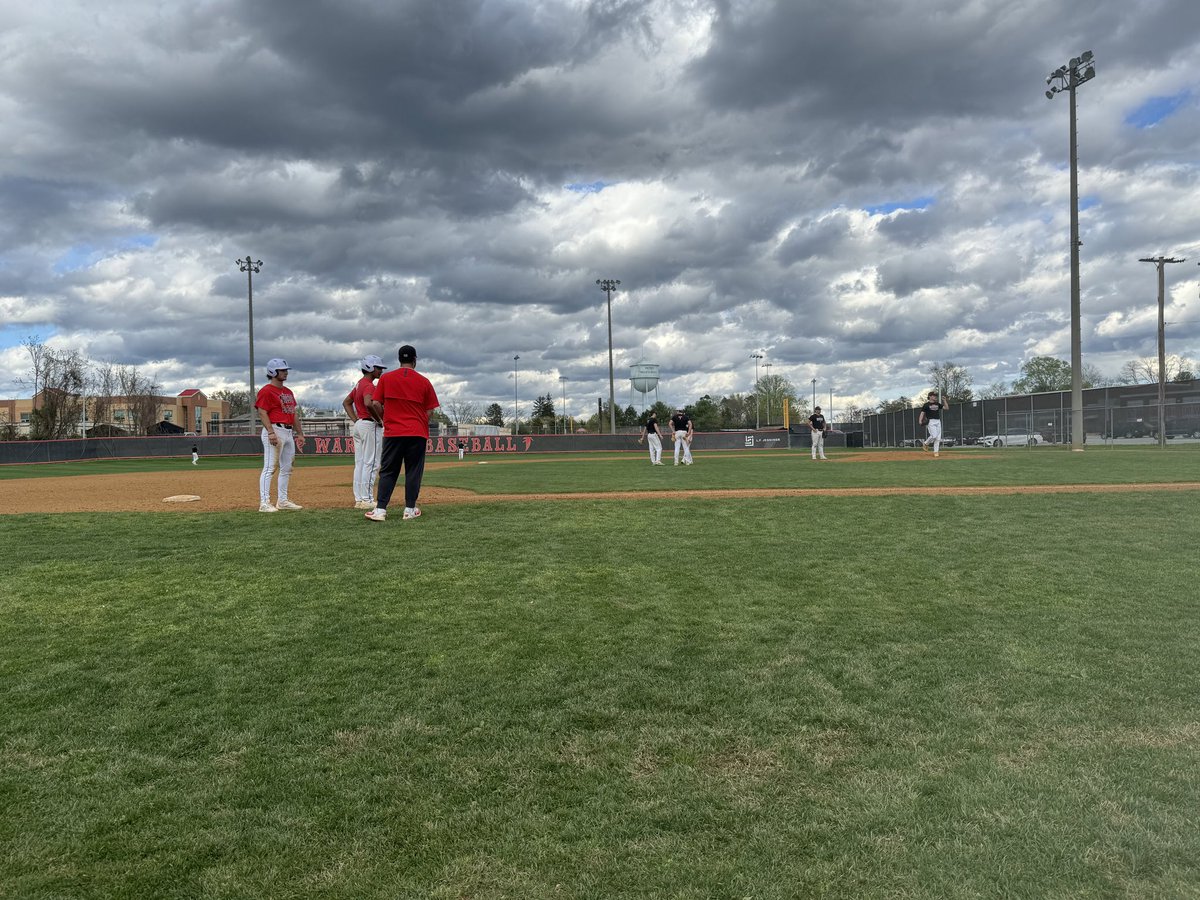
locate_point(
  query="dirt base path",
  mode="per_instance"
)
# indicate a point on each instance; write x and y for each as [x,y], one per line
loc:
[328,487]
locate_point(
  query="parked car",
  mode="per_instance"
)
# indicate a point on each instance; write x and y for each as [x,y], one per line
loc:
[1014,437]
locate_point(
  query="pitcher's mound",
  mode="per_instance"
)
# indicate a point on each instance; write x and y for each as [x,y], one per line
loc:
[181,498]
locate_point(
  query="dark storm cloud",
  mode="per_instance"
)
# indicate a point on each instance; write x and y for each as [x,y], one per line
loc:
[400,169]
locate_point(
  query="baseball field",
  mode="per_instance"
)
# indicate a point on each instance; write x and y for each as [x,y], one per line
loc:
[581,676]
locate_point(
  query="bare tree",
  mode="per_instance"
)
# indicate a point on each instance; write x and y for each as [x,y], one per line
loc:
[58,379]
[238,405]
[1145,369]
[102,391]
[994,390]
[140,394]
[460,411]
[951,380]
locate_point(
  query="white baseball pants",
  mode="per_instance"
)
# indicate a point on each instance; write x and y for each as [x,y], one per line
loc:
[655,444]
[934,427]
[818,442]
[368,443]
[281,456]
[682,446]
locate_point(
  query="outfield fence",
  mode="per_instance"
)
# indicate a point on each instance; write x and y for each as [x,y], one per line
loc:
[1111,414]
[78,449]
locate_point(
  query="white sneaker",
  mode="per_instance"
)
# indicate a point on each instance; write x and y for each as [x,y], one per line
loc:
[364,504]
[377,515]
[288,504]
[414,513]
[267,507]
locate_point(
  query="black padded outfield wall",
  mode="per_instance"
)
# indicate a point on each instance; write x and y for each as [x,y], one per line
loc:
[21,452]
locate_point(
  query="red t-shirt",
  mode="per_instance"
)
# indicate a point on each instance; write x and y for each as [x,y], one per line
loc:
[364,388]
[279,402]
[407,397]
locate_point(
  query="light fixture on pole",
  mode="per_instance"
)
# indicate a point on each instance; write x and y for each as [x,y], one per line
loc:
[251,267]
[516,417]
[756,357]
[1067,78]
[562,379]
[1160,262]
[767,377]
[608,285]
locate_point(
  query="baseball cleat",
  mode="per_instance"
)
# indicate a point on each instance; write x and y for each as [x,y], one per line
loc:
[267,507]
[377,515]
[364,504]
[288,504]
[413,513]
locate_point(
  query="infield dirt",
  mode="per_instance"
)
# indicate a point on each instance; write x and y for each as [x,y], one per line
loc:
[328,487]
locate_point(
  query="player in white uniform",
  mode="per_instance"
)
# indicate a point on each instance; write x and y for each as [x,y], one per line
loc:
[931,418]
[818,425]
[368,431]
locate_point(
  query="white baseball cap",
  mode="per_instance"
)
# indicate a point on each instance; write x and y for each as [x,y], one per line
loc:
[274,365]
[371,362]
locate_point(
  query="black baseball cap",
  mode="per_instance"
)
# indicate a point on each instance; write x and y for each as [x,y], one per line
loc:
[408,354]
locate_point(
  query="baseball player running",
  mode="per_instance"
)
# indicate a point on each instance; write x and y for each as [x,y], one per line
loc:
[368,431]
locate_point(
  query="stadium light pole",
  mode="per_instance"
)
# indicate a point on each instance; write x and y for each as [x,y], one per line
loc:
[756,357]
[516,418]
[562,379]
[814,382]
[1079,70]
[767,366]
[250,267]
[1160,263]
[608,285]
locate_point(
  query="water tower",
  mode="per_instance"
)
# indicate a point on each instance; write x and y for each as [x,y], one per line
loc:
[643,378]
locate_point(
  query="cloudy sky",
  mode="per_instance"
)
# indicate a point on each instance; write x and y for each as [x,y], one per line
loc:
[855,189]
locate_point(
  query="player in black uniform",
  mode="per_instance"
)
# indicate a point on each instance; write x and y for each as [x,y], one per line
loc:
[818,425]
[653,438]
[931,418]
[681,428]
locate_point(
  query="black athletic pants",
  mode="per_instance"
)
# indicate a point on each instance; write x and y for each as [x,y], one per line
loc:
[397,451]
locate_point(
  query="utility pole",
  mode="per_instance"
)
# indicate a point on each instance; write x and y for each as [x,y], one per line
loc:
[250,267]
[756,356]
[608,285]
[770,388]
[1160,262]
[516,417]
[1068,78]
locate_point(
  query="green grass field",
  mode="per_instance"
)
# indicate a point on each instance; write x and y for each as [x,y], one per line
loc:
[902,696]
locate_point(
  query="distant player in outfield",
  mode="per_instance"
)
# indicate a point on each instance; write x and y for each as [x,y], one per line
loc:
[403,398]
[282,430]
[368,431]
[653,438]
[681,428]
[818,425]
[931,418]
[195,455]
[462,450]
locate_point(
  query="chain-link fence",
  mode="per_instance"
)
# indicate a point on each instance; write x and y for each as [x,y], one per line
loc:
[1116,414]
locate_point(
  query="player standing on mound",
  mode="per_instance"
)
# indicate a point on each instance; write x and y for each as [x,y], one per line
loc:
[282,430]
[368,431]
[931,418]
[681,428]
[404,398]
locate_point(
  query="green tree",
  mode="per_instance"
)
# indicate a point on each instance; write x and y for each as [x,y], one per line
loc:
[900,403]
[737,411]
[1042,374]
[494,415]
[705,414]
